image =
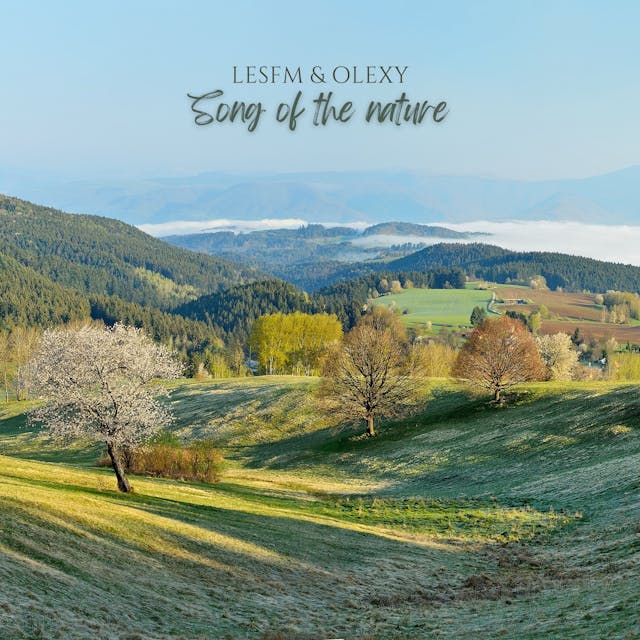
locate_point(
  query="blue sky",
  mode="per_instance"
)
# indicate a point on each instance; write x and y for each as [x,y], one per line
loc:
[535,89]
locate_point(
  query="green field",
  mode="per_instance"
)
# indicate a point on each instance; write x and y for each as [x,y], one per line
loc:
[466,521]
[450,307]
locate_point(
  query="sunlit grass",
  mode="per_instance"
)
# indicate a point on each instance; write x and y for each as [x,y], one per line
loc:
[463,521]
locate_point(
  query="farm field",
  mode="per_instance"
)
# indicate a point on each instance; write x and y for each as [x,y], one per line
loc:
[567,306]
[568,311]
[597,330]
[464,521]
[438,306]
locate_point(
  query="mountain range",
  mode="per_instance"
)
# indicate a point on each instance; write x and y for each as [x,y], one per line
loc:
[367,196]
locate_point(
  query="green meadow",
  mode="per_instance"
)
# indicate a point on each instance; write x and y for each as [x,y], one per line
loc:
[463,521]
[438,306]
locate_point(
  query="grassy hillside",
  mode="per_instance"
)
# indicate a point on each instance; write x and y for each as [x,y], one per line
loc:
[463,522]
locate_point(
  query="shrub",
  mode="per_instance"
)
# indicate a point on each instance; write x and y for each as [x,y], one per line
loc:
[166,457]
[585,373]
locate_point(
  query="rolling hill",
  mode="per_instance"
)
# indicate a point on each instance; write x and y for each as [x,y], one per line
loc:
[465,521]
[234,310]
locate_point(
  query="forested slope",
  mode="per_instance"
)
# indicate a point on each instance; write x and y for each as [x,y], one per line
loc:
[29,299]
[573,273]
[102,256]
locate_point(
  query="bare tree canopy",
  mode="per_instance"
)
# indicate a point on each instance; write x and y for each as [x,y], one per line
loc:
[500,353]
[95,383]
[369,374]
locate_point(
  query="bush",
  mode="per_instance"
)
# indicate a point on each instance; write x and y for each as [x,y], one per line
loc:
[165,457]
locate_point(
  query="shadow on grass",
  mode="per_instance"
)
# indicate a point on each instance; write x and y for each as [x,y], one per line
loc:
[264,566]
[91,573]
[238,522]
[442,405]
[262,563]
[463,445]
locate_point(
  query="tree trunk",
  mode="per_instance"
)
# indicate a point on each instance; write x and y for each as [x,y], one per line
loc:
[496,395]
[370,429]
[116,463]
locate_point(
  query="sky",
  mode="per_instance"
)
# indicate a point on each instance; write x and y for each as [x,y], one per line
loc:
[534,90]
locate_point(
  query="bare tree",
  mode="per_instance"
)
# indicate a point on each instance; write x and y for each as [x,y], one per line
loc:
[498,354]
[369,374]
[95,383]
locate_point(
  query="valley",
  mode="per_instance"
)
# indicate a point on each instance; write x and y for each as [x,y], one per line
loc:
[458,517]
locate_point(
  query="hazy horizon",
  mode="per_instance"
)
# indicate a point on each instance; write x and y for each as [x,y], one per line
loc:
[610,243]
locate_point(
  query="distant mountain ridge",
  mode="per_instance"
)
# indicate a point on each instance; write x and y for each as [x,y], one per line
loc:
[412,229]
[301,255]
[372,196]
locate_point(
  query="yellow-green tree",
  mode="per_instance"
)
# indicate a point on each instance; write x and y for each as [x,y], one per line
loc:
[16,347]
[293,343]
[433,359]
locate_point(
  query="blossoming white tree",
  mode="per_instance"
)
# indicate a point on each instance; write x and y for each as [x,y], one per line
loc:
[558,355]
[95,383]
